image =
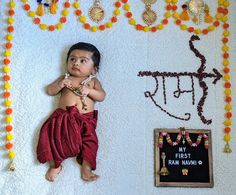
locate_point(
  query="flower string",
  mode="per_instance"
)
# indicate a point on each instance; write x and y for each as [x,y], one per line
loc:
[221,15]
[7,86]
[227,83]
[154,28]
[94,28]
[183,135]
[43,26]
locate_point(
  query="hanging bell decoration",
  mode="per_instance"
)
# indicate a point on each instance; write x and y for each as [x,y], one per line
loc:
[184,15]
[208,17]
[11,166]
[40,9]
[53,7]
[227,148]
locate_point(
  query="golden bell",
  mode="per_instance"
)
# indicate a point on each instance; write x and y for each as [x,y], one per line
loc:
[11,166]
[227,148]
[164,171]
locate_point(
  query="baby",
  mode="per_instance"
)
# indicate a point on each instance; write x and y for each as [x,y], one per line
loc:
[70,130]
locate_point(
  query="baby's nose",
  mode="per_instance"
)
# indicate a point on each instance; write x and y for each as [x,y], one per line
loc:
[77,62]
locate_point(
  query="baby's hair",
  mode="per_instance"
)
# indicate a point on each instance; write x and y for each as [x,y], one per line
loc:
[87,47]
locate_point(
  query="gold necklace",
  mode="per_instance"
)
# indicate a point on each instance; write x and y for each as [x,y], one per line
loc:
[149,16]
[96,12]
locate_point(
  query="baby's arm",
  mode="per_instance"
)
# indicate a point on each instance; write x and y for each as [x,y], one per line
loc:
[96,93]
[55,87]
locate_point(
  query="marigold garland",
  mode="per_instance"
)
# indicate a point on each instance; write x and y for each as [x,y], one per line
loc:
[94,28]
[7,86]
[146,28]
[221,16]
[227,83]
[43,26]
[184,135]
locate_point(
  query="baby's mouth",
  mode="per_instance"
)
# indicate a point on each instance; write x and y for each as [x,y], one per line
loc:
[76,69]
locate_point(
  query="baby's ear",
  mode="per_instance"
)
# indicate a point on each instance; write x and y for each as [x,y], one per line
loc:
[95,70]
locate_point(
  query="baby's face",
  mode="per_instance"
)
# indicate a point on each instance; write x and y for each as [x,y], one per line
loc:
[80,63]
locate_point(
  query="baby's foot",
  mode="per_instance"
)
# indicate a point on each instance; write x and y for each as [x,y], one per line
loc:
[52,173]
[88,175]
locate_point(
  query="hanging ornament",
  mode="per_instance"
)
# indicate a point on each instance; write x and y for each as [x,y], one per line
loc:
[184,15]
[196,8]
[96,12]
[47,5]
[208,17]
[40,9]
[149,16]
[53,7]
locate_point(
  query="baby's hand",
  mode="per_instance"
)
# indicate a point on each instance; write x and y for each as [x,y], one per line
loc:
[85,89]
[65,83]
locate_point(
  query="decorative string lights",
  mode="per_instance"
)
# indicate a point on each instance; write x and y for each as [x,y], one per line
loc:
[7,86]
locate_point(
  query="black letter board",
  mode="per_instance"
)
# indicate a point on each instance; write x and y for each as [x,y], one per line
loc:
[183,158]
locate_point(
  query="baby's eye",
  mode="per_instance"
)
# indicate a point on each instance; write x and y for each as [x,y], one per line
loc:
[72,59]
[83,61]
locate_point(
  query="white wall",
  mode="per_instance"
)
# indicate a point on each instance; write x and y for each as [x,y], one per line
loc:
[127,118]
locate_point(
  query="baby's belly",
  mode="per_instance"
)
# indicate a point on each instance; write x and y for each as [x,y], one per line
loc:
[70,99]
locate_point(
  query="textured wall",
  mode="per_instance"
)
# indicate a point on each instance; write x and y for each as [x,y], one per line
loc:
[127,118]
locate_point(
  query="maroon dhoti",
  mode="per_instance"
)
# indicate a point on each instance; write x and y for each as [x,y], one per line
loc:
[68,133]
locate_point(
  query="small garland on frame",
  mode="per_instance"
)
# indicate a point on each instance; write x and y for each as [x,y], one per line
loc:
[43,26]
[184,135]
[147,28]
[227,83]
[221,16]
[7,86]
[94,28]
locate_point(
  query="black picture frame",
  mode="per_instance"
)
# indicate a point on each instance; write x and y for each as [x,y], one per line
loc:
[188,165]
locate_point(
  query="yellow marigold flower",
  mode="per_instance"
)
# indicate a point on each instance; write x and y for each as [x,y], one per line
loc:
[126,7]
[228,122]
[76,5]
[8,103]
[160,26]
[65,12]
[109,24]
[117,12]
[94,28]
[146,29]
[11,154]
[9,137]
[183,27]
[8,120]
[82,19]
[132,21]
[227,137]
[43,26]
[31,13]
[59,26]
[7,86]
